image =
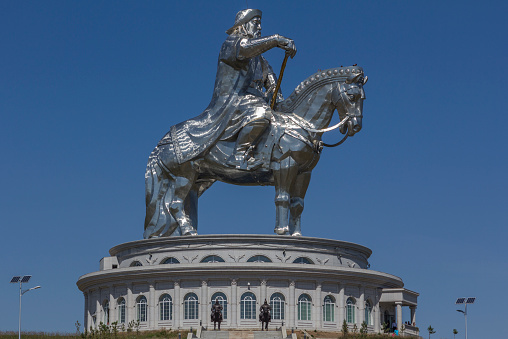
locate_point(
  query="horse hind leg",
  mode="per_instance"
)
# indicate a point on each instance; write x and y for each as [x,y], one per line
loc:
[183,184]
[191,202]
[158,221]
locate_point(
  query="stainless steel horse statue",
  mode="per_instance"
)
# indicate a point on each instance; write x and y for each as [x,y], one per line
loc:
[290,148]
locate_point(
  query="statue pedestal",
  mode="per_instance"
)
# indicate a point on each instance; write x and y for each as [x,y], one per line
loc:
[309,283]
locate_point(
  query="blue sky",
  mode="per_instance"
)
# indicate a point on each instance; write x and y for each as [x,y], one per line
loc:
[88,88]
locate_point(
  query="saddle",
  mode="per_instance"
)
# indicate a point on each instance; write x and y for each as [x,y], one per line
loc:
[280,124]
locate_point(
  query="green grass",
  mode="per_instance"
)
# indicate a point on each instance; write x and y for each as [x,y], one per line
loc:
[162,334]
[120,335]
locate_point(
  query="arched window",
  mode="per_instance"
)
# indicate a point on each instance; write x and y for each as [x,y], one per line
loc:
[302,260]
[136,263]
[166,307]
[141,308]
[222,299]
[190,306]
[121,310]
[368,313]
[304,307]
[248,306]
[212,258]
[259,258]
[329,308]
[350,310]
[277,301]
[105,307]
[170,260]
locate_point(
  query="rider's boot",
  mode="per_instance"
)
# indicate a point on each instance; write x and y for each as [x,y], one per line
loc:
[244,143]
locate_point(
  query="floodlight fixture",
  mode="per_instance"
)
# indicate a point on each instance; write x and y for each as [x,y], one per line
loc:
[465,301]
[22,280]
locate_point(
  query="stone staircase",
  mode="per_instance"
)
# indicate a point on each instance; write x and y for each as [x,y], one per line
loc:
[241,335]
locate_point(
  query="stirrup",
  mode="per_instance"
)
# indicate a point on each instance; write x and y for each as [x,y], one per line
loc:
[237,161]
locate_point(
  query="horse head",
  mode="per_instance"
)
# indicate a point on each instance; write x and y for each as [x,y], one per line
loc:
[347,97]
[318,96]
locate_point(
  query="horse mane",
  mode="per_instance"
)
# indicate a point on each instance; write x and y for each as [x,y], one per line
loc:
[316,80]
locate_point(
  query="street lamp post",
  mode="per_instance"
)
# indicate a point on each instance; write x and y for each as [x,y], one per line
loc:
[465,301]
[21,281]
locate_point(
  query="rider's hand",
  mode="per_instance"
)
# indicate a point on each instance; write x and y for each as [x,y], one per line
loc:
[287,44]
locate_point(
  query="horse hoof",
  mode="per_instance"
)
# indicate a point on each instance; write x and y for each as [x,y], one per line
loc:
[296,234]
[281,230]
[191,233]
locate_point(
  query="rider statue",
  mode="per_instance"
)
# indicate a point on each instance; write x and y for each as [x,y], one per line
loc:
[216,313]
[265,314]
[239,108]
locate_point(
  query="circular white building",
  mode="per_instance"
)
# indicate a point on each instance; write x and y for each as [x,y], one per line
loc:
[310,283]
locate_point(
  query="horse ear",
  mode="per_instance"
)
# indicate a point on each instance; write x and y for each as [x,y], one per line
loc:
[353,78]
[365,80]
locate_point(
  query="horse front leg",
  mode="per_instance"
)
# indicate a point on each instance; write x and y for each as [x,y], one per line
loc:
[298,191]
[284,176]
[182,187]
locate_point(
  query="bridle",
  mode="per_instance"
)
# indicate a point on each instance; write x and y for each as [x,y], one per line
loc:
[335,101]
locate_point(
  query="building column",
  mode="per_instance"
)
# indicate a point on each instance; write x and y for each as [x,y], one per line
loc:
[113,315]
[86,321]
[377,312]
[90,308]
[129,305]
[177,306]
[234,304]
[413,315]
[399,314]
[292,305]
[203,314]
[98,313]
[318,307]
[341,302]
[152,306]
[361,306]
[262,293]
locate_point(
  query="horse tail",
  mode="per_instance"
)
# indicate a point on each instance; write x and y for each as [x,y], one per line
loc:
[158,196]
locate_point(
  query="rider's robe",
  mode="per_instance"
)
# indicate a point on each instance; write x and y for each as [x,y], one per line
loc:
[237,100]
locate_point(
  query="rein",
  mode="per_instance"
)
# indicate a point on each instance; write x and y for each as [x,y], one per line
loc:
[303,124]
[338,143]
[342,122]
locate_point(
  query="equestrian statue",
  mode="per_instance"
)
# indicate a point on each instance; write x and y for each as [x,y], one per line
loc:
[249,135]
[265,315]
[216,314]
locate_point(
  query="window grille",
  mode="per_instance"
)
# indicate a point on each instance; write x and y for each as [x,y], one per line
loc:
[170,260]
[141,309]
[190,306]
[350,310]
[304,307]
[329,308]
[259,258]
[223,301]
[277,302]
[106,312]
[166,307]
[368,313]
[302,260]
[121,310]
[248,306]
[212,259]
